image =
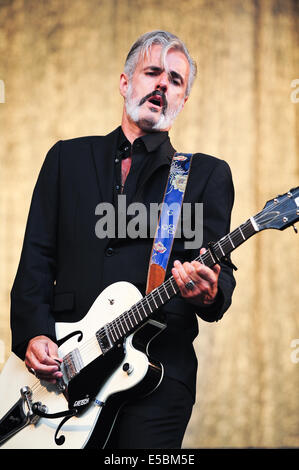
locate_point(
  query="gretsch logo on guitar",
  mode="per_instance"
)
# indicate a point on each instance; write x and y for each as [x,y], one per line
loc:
[105,355]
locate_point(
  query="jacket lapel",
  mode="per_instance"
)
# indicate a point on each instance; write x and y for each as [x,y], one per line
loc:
[104,153]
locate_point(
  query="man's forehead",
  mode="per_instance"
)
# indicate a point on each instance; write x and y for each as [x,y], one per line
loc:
[170,59]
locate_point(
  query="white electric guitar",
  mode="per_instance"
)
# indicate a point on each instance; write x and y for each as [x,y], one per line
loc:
[105,356]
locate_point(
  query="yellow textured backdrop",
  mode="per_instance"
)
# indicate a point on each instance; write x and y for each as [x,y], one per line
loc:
[60,61]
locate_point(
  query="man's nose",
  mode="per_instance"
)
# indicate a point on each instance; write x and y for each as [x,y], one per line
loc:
[162,83]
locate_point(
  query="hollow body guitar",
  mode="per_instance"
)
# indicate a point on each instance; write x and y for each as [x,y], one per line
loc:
[105,356]
[97,379]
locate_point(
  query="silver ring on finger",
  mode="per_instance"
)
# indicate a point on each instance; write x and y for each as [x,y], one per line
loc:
[190,285]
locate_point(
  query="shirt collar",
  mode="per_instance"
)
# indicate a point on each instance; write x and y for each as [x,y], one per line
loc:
[151,141]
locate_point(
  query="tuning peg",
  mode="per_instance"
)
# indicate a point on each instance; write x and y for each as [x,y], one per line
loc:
[295,228]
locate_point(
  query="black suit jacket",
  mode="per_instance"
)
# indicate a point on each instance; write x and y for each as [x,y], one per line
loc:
[64,266]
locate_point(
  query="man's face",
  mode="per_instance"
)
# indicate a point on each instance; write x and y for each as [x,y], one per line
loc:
[156,93]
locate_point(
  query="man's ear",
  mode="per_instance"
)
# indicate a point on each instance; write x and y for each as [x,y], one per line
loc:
[123,84]
[186,98]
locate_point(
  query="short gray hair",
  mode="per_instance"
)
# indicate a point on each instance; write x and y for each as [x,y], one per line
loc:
[167,41]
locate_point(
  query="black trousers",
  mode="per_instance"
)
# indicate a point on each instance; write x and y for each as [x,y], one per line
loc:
[158,421]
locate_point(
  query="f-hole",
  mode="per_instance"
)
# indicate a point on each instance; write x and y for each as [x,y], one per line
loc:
[70,335]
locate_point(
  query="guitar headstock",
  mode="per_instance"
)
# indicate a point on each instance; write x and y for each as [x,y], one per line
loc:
[280,212]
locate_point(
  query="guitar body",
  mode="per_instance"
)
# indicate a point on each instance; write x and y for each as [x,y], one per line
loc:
[105,383]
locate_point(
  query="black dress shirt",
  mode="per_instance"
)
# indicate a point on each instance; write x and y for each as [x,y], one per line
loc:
[140,151]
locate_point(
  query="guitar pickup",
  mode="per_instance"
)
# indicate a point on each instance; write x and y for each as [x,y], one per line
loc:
[104,339]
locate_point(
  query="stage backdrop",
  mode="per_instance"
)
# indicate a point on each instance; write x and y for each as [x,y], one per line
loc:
[60,62]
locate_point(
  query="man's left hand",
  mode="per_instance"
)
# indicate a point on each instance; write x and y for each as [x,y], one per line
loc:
[202,281]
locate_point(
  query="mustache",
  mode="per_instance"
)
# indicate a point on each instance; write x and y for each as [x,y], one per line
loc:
[155,93]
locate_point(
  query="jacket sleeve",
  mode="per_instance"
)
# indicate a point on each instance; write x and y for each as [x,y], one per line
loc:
[218,199]
[32,291]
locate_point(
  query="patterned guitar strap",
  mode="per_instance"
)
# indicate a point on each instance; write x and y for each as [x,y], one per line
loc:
[168,220]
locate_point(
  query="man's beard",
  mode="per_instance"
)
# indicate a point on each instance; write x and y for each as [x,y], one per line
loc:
[167,114]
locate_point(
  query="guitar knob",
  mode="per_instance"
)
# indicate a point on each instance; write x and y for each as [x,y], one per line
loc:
[128,368]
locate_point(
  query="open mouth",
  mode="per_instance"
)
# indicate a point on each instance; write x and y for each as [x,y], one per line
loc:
[156,100]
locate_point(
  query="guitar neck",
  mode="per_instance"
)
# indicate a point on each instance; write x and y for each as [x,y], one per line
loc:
[128,321]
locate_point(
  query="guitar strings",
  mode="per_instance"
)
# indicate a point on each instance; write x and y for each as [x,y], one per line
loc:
[155,295]
[116,327]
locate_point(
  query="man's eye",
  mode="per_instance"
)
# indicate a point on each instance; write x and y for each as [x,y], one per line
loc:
[175,80]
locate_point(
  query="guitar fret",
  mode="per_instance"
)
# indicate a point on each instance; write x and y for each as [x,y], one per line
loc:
[221,248]
[122,325]
[158,290]
[165,290]
[246,231]
[162,293]
[210,259]
[240,230]
[207,259]
[174,290]
[235,237]
[145,312]
[110,332]
[154,300]
[132,312]
[231,241]
[201,258]
[149,305]
[144,308]
[125,324]
[117,327]
[141,317]
[129,317]
[254,224]
[113,333]
[227,245]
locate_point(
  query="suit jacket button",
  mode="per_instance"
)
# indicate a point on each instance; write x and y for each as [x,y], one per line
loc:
[110,251]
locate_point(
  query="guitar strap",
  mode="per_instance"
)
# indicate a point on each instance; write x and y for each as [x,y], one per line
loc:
[168,219]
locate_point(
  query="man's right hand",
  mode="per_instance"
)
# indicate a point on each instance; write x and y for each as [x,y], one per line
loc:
[42,357]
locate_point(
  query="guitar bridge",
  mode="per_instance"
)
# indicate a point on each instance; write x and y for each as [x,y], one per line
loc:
[18,417]
[72,363]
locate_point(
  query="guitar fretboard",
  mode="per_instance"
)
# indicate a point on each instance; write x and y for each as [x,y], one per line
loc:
[128,321]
